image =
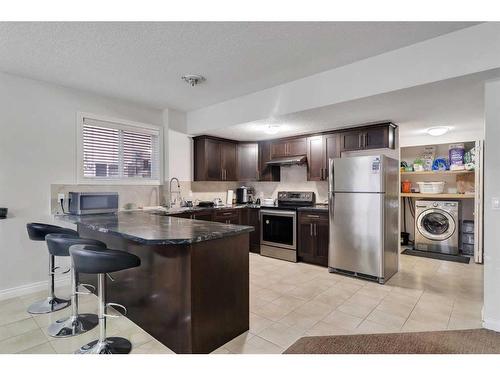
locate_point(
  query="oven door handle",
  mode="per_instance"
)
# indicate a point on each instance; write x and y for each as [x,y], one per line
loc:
[278,213]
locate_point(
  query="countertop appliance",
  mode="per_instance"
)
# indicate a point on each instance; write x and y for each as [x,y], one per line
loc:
[436,226]
[87,203]
[363,210]
[278,232]
[244,195]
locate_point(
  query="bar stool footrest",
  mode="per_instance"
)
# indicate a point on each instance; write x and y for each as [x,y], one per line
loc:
[115,305]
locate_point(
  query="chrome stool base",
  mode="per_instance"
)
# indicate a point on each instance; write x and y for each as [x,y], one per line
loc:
[72,326]
[48,305]
[112,345]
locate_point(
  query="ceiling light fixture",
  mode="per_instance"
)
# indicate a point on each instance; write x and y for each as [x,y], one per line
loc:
[272,129]
[438,130]
[193,79]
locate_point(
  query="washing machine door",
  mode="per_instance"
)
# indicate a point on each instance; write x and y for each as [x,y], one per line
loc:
[436,224]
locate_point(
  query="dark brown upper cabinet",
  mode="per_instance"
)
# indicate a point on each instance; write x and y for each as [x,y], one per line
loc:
[288,147]
[214,159]
[316,158]
[365,138]
[218,159]
[320,148]
[228,161]
[248,162]
[332,150]
[266,172]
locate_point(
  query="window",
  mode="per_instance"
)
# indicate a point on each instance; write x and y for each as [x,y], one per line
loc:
[118,151]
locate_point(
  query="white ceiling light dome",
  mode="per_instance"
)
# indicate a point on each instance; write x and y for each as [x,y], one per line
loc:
[437,131]
[272,129]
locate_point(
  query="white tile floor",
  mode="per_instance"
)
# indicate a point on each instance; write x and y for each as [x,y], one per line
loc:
[291,300]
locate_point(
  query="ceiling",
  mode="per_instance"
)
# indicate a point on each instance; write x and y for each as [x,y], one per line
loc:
[457,103]
[143,62]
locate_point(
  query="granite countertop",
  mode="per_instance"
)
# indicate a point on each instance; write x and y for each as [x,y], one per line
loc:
[149,229]
[317,207]
[180,210]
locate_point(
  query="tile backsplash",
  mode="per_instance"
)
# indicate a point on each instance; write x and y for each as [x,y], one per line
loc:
[293,178]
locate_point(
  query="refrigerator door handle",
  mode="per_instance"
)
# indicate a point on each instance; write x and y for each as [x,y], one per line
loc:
[331,176]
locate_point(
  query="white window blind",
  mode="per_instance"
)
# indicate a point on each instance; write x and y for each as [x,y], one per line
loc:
[117,151]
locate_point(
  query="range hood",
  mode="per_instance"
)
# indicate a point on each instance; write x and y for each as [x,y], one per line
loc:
[288,160]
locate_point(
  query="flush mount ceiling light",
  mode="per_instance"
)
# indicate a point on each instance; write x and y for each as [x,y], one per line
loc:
[272,129]
[438,130]
[193,79]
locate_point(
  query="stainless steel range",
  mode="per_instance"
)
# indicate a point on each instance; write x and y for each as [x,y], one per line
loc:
[278,232]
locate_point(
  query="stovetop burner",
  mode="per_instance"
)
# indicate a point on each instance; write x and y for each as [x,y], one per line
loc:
[291,200]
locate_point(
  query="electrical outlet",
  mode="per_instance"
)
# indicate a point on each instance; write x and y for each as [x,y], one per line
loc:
[61,196]
[495,203]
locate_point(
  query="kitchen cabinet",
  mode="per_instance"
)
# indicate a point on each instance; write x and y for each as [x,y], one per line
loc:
[267,172]
[230,216]
[248,162]
[251,217]
[332,150]
[313,236]
[320,148]
[206,215]
[183,215]
[371,137]
[214,159]
[288,147]
[315,158]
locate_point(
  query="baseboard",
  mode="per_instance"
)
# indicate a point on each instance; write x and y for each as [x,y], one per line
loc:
[31,288]
[494,325]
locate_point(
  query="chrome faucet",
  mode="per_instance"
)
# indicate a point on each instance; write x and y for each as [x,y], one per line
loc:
[172,202]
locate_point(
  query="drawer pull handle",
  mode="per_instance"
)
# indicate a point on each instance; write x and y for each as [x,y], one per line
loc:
[313,216]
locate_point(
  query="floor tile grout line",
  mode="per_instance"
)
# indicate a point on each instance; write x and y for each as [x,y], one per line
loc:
[20,334]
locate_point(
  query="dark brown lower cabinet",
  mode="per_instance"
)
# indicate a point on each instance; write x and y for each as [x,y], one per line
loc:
[313,236]
[251,217]
[203,215]
[230,216]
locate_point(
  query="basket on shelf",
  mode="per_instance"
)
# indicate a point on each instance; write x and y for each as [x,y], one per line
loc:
[431,187]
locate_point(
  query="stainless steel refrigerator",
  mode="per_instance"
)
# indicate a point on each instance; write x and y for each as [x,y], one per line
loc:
[364,209]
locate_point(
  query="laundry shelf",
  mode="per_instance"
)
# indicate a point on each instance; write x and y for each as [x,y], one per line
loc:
[438,196]
[437,173]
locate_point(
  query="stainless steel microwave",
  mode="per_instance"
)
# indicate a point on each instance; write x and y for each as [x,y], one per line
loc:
[86,203]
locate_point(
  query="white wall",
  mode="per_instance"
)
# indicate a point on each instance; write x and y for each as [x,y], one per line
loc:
[466,51]
[492,217]
[37,148]
[180,156]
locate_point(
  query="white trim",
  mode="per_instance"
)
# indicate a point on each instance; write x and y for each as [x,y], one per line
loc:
[494,325]
[124,124]
[31,288]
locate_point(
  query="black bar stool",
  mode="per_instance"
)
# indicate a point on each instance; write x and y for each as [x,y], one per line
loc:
[58,245]
[94,260]
[37,232]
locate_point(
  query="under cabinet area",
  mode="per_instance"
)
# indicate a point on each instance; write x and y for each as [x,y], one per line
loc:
[313,233]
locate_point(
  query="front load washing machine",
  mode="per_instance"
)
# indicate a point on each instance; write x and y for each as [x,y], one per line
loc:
[436,226]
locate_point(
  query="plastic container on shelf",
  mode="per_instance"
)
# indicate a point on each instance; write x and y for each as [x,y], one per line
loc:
[468,238]
[467,226]
[431,187]
[467,249]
